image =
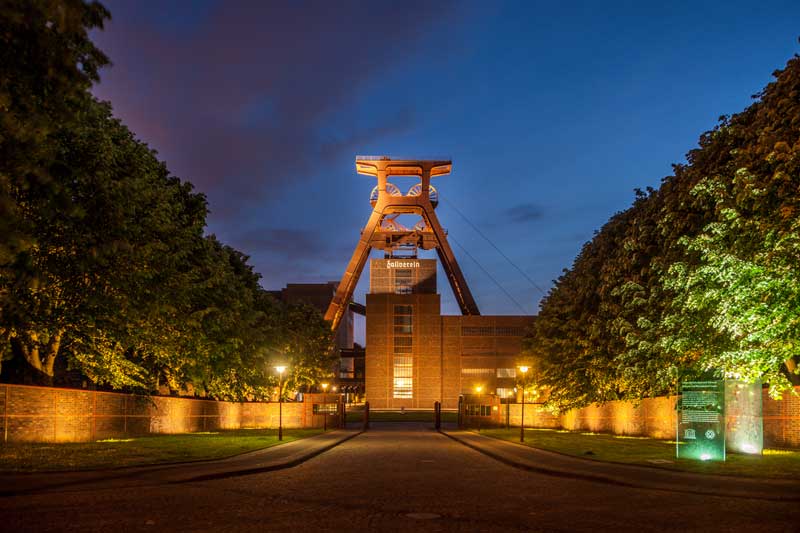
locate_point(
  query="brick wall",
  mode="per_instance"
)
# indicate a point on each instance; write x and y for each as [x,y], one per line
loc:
[652,417]
[43,414]
[782,420]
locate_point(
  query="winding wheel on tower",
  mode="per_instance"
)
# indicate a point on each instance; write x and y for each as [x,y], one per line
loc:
[385,232]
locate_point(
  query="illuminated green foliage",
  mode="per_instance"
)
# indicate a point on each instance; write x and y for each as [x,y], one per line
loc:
[699,278]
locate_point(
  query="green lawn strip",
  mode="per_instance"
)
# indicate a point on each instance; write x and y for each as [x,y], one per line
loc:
[112,453]
[400,416]
[781,464]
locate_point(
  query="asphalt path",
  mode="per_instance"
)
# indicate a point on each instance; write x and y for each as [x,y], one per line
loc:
[395,477]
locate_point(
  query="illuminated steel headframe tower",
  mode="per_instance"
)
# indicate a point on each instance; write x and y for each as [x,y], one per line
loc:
[383,232]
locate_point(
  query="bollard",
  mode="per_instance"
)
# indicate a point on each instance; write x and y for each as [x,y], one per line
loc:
[366,416]
[343,411]
[437,415]
[460,412]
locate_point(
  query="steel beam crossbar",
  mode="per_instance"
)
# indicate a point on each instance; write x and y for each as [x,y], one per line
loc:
[374,236]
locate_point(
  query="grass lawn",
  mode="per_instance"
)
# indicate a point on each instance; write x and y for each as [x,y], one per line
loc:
[652,452]
[111,453]
[400,416]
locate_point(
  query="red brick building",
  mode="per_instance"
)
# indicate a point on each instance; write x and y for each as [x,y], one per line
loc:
[416,356]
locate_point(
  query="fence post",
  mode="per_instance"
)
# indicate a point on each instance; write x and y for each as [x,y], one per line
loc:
[94,415]
[55,415]
[5,419]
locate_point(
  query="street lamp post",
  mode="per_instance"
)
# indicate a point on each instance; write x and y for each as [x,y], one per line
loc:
[508,411]
[479,388]
[325,410]
[280,370]
[523,370]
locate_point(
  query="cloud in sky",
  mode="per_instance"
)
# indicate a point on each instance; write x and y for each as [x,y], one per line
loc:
[549,110]
[526,212]
[243,98]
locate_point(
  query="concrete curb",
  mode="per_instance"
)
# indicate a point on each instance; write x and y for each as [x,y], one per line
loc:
[623,481]
[540,469]
[289,463]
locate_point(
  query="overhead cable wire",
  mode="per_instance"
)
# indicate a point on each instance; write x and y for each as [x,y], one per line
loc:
[479,232]
[489,275]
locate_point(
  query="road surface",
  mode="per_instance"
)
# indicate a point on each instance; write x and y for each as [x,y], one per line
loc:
[395,477]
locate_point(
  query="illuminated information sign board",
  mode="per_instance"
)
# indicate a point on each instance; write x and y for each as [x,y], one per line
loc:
[701,421]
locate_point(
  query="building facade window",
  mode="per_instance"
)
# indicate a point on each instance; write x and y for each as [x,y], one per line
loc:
[504,392]
[489,331]
[403,385]
[477,331]
[506,372]
[510,331]
[402,324]
[403,281]
[477,371]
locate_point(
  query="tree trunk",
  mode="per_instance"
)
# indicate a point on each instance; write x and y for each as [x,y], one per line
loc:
[30,350]
[41,358]
[51,353]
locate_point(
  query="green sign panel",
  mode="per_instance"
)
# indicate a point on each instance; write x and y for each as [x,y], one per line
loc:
[701,421]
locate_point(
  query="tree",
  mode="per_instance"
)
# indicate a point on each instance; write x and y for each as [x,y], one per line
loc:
[111,258]
[698,277]
[739,308]
[47,64]
[103,261]
[305,347]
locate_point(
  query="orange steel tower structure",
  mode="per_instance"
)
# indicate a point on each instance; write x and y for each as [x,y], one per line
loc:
[384,233]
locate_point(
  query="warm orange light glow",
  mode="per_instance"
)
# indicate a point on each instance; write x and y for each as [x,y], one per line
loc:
[523,369]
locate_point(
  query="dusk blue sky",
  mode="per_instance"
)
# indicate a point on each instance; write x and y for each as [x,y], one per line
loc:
[552,113]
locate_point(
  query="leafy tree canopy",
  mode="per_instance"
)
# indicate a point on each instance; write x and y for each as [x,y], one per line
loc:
[104,265]
[697,278]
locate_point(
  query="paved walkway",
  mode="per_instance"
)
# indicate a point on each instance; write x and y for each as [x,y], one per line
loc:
[394,477]
[545,462]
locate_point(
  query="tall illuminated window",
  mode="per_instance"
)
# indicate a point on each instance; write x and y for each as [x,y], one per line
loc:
[403,348]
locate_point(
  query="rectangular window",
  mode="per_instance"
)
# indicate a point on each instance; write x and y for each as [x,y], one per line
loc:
[506,372]
[403,324]
[506,393]
[477,371]
[403,388]
[510,331]
[403,366]
[403,344]
[477,331]
[403,281]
